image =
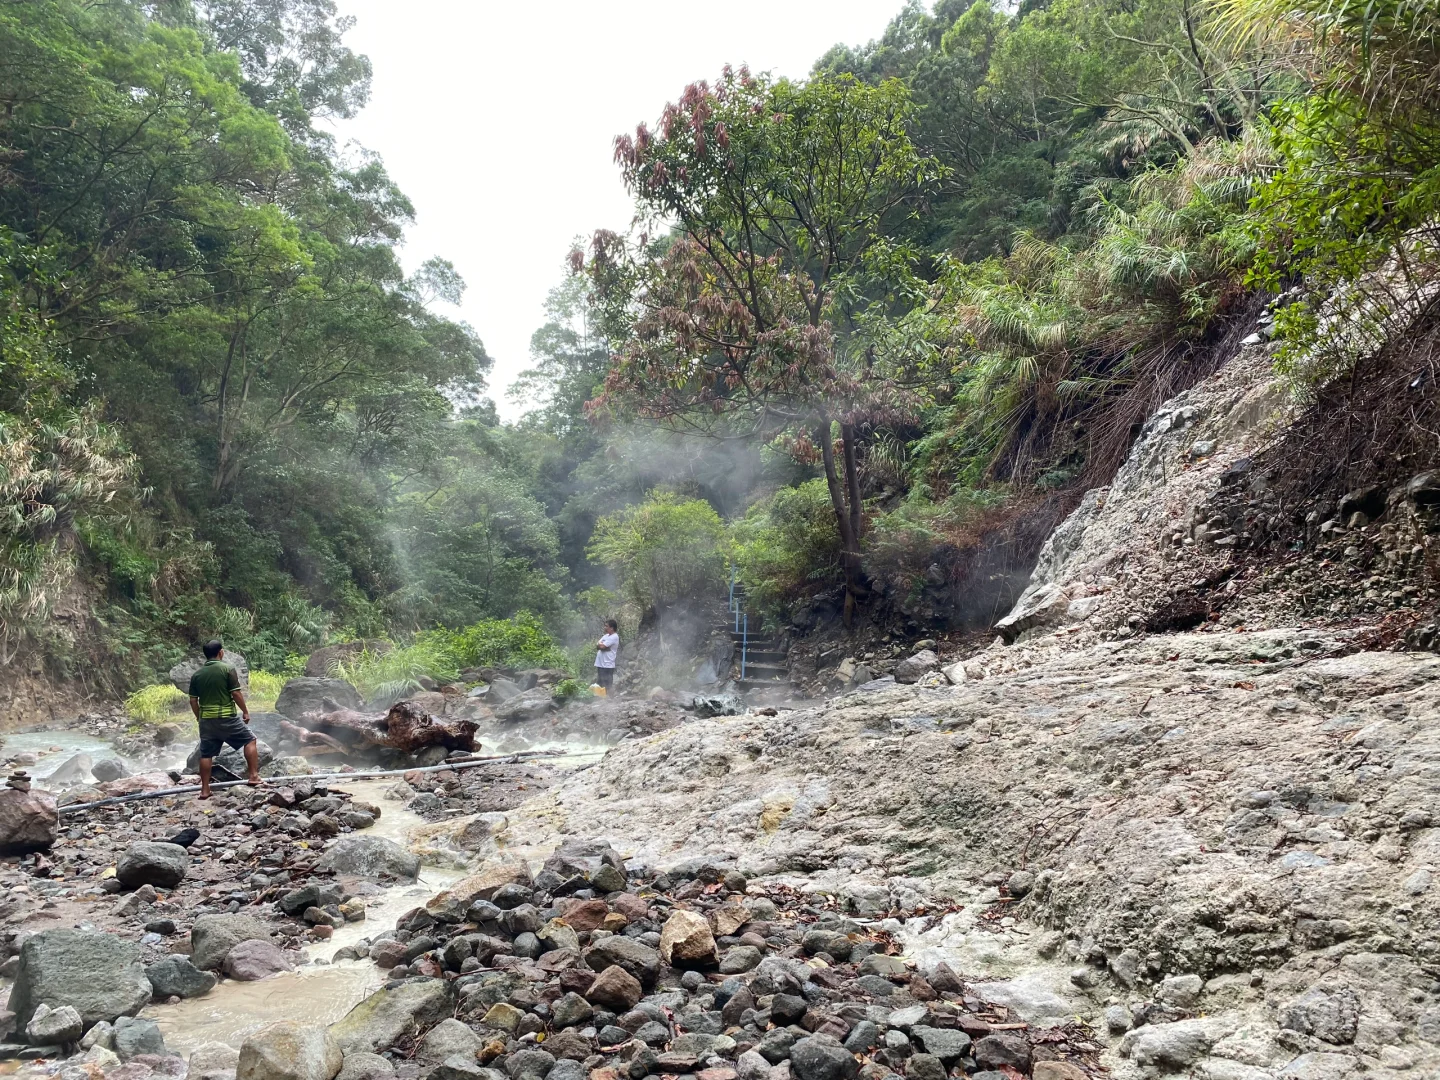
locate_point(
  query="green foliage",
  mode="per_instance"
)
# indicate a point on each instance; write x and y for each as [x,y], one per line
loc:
[394,673]
[518,642]
[566,689]
[785,545]
[155,704]
[663,551]
[265,687]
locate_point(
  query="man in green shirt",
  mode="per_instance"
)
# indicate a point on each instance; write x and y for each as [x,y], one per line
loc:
[219,704]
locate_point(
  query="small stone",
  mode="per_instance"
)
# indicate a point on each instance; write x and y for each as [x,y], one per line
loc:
[924,1067]
[502,1016]
[1117,1019]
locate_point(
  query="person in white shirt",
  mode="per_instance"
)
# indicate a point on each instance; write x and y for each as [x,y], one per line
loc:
[606,648]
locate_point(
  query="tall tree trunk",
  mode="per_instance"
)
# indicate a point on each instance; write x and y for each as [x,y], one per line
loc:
[846,517]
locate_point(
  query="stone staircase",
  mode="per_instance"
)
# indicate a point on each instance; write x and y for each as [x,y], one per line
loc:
[760,660]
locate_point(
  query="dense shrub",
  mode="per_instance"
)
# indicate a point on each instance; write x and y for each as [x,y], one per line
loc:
[663,550]
[787,544]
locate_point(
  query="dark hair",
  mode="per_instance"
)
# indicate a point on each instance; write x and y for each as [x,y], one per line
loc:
[212,648]
[612,624]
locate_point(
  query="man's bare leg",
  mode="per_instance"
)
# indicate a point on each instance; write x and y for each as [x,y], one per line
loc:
[252,763]
[205,764]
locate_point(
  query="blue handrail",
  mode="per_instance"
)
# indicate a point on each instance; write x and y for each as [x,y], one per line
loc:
[744,645]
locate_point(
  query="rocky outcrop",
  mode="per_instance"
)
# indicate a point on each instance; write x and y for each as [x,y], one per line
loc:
[1186,807]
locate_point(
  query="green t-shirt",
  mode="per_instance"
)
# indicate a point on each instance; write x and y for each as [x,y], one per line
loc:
[212,685]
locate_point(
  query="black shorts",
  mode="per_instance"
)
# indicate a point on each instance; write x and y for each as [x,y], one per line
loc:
[214,734]
[605,676]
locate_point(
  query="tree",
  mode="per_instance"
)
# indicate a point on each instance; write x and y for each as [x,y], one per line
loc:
[779,194]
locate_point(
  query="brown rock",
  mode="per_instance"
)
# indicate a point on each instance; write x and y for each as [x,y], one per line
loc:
[615,989]
[614,922]
[720,1072]
[484,884]
[630,905]
[728,919]
[686,939]
[585,915]
[569,1044]
[253,960]
[27,821]
[1058,1070]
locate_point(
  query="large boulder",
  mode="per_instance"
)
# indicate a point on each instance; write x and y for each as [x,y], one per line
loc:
[392,1014]
[100,975]
[176,976]
[73,770]
[28,821]
[531,705]
[307,695]
[182,672]
[370,857]
[146,862]
[289,1051]
[1039,605]
[213,936]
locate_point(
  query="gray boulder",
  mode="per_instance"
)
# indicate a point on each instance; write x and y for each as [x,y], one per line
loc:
[389,1015]
[947,1044]
[305,695]
[182,672]
[915,668]
[176,976]
[370,857]
[149,863]
[54,1027]
[100,975]
[1039,605]
[107,769]
[289,1051]
[213,936]
[531,705]
[74,770]
[639,960]
[134,1036]
[28,821]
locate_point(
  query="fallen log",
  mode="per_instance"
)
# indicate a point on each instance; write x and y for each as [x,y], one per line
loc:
[406,727]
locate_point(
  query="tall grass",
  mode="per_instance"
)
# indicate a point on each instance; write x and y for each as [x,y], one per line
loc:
[155,704]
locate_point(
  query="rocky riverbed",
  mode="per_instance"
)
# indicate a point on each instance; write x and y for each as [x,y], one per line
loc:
[1201,854]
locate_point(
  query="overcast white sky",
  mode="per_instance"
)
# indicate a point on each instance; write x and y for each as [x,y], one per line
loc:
[497,120]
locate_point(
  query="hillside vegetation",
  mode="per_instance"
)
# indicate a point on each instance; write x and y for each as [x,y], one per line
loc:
[872,327]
